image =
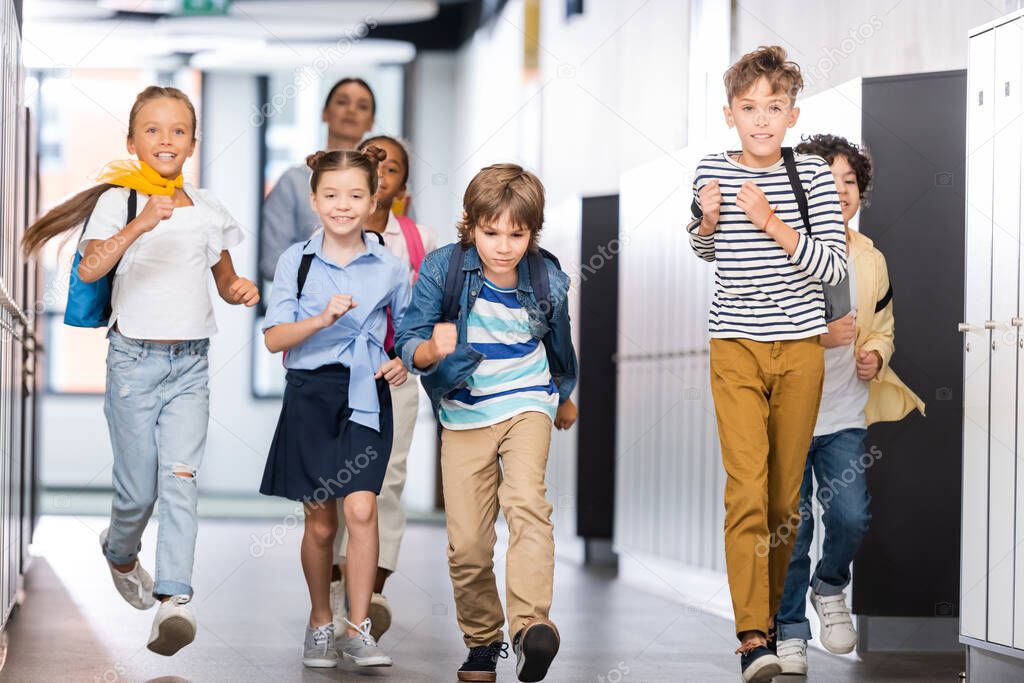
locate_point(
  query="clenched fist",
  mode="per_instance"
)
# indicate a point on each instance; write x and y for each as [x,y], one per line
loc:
[710,205]
[754,203]
[339,305]
[243,291]
[158,208]
[393,371]
[841,332]
[444,339]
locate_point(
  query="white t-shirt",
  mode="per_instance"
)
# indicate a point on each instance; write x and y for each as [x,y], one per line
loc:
[394,240]
[162,285]
[843,395]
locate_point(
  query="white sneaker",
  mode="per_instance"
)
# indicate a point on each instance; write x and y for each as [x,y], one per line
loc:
[837,633]
[174,626]
[361,649]
[135,586]
[793,656]
[380,615]
[339,604]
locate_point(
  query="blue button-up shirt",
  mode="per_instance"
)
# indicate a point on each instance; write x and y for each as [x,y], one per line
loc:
[375,279]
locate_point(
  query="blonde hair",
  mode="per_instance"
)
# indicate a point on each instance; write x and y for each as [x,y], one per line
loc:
[767,61]
[72,212]
[503,189]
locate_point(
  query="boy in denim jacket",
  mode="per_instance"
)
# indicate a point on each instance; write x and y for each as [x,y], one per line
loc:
[499,375]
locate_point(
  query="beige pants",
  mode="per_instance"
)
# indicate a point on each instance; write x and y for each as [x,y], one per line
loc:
[474,486]
[405,401]
[766,402]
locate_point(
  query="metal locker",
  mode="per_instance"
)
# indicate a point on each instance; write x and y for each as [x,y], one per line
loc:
[1013,90]
[1005,198]
[977,305]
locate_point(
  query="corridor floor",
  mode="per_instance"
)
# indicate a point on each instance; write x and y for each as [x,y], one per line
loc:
[252,606]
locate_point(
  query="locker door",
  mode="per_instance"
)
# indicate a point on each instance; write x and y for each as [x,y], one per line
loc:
[1013,91]
[977,304]
[1005,267]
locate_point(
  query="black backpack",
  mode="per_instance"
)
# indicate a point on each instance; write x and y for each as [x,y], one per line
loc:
[307,261]
[456,278]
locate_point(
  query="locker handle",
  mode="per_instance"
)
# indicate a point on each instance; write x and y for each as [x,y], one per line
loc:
[991,325]
[965,327]
[1017,321]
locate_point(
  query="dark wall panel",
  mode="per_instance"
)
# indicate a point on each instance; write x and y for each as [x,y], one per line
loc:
[915,129]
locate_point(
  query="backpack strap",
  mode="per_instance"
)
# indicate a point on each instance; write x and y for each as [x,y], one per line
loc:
[413,243]
[133,206]
[539,279]
[380,237]
[453,283]
[304,265]
[798,187]
[884,301]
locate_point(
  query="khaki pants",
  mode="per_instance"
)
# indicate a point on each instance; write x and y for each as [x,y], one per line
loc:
[474,486]
[766,401]
[405,401]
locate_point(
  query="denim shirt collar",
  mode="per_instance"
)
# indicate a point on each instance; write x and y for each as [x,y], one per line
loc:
[472,262]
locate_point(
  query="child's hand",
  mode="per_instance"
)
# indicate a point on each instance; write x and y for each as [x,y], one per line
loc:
[566,415]
[243,291]
[841,332]
[444,339]
[339,305]
[158,208]
[394,372]
[710,204]
[754,203]
[868,365]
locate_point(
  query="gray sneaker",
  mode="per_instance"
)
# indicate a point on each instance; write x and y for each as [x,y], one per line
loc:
[318,651]
[362,649]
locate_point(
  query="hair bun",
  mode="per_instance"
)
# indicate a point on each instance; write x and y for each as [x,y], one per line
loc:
[313,160]
[375,154]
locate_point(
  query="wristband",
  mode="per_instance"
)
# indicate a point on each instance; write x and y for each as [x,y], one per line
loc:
[764,228]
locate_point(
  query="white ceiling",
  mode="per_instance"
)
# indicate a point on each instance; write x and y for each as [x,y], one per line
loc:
[256,35]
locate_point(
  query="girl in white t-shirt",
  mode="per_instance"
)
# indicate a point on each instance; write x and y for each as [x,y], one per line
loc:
[157,394]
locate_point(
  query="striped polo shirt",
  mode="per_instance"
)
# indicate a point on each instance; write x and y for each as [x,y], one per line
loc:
[761,292]
[512,378]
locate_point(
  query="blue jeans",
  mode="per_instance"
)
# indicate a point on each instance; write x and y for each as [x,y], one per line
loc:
[157,405]
[838,462]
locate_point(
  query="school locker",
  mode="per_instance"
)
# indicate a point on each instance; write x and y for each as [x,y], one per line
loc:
[1005,267]
[976,338]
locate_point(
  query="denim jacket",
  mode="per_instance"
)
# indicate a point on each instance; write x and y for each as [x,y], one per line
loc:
[453,371]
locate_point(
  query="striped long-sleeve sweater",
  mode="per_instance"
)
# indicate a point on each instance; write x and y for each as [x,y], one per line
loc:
[762,293]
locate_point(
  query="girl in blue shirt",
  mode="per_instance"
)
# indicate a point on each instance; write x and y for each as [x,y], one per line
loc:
[327,310]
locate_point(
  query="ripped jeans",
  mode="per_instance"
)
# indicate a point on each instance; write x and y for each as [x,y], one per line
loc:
[157,405]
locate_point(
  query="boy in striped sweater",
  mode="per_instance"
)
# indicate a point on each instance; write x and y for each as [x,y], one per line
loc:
[496,355]
[766,315]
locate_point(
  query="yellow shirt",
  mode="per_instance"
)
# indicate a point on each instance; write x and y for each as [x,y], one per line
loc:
[889,399]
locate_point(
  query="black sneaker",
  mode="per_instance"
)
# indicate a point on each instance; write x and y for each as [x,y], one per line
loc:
[759,665]
[482,662]
[535,646]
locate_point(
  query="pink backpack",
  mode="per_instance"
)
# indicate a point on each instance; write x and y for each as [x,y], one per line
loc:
[414,245]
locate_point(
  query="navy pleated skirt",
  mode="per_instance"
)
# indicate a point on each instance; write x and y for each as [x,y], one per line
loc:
[318,454]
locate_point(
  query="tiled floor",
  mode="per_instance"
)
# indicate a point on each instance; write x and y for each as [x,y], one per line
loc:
[252,606]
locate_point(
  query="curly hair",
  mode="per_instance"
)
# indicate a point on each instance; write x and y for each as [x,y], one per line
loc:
[770,62]
[828,146]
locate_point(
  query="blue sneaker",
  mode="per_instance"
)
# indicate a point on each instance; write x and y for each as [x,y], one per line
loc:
[759,665]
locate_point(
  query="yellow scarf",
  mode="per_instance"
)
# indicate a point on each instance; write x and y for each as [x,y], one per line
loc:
[137,175]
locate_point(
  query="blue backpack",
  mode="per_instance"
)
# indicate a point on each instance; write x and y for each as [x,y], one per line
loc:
[89,302]
[455,278]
